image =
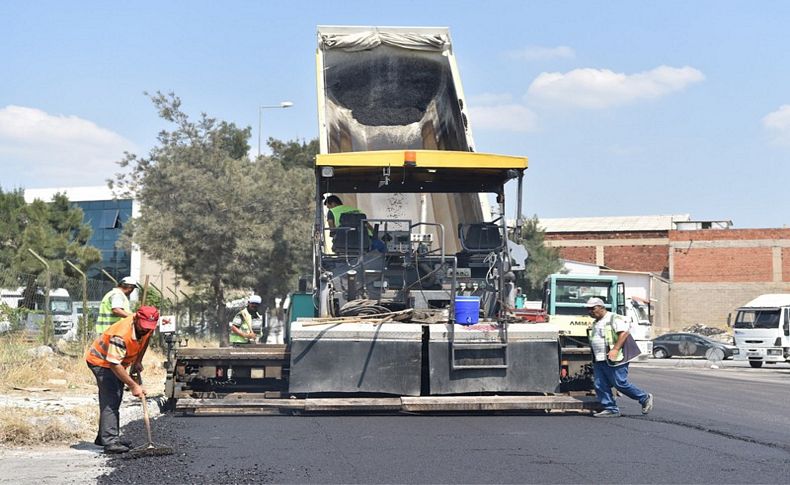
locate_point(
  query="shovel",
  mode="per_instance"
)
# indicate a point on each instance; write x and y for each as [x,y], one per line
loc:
[150,448]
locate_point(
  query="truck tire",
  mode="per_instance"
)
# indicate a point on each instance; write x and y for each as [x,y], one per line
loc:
[756,363]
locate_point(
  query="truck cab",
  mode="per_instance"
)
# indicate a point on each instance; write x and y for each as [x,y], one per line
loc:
[762,330]
[637,311]
[564,300]
[60,311]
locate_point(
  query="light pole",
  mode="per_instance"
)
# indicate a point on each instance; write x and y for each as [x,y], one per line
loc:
[283,104]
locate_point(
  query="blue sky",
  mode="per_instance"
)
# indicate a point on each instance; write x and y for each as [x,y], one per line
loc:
[623,108]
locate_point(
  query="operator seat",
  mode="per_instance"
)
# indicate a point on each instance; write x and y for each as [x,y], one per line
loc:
[478,240]
[480,237]
[345,237]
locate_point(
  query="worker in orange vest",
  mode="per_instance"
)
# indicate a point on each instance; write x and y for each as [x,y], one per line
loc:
[109,357]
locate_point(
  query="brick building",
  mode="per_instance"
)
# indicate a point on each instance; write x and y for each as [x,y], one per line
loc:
[712,269]
[712,272]
[629,243]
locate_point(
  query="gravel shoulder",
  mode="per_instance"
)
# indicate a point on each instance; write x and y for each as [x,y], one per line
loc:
[80,463]
[77,462]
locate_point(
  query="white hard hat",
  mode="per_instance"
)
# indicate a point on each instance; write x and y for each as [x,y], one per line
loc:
[128,281]
[594,302]
[254,299]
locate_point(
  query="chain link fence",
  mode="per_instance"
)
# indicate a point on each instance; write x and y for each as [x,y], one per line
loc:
[50,306]
[47,308]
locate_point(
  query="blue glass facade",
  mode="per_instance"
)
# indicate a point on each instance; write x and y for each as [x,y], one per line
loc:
[107,219]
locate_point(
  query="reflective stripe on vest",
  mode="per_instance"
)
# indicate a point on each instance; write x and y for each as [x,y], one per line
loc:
[609,335]
[97,352]
[106,317]
[246,327]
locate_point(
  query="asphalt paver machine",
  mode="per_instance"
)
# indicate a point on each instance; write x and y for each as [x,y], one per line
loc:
[413,291]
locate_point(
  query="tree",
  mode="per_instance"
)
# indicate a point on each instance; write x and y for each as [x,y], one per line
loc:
[219,219]
[12,225]
[286,252]
[542,260]
[293,154]
[55,230]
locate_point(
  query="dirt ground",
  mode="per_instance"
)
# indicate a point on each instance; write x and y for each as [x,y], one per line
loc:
[49,413]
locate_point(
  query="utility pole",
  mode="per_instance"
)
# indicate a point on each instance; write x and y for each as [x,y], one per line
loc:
[283,104]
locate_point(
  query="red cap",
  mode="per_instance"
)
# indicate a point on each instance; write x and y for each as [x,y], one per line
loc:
[147,317]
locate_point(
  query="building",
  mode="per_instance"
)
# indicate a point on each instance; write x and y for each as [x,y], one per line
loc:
[714,271]
[711,268]
[629,243]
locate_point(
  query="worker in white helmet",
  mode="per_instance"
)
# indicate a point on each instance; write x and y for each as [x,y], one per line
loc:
[115,304]
[241,331]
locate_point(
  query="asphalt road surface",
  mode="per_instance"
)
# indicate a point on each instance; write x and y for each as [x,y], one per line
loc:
[710,425]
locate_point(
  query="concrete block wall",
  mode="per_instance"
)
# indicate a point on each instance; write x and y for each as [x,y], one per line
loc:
[710,303]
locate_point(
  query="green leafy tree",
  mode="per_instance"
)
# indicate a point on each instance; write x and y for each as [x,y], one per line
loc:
[219,219]
[53,229]
[12,225]
[293,154]
[285,249]
[542,261]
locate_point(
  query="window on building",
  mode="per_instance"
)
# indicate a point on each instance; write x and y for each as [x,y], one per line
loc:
[109,219]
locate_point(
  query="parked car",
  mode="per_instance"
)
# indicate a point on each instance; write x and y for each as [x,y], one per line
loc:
[690,345]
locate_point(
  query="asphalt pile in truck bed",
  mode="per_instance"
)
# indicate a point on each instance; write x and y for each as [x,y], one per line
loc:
[385,91]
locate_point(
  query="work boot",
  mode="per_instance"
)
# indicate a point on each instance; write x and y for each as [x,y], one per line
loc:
[607,413]
[98,442]
[647,406]
[115,448]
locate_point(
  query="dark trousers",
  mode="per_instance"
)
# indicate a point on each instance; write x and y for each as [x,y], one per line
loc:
[110,397]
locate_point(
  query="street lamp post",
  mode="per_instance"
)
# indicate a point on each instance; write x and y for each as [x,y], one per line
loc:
[283,104]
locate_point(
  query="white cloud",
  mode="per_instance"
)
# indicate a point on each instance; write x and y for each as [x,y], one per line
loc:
[778,124]
[44,149]
[540,53]
[498,112]
[602,88]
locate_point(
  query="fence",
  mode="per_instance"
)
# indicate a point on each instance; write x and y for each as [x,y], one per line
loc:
[56,306]
[50,306]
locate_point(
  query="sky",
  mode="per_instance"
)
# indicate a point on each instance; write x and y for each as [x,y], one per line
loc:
[623,108]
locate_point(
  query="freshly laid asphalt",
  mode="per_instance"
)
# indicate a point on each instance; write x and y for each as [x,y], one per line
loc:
[726,425]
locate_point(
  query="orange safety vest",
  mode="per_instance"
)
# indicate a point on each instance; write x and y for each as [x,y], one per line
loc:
[124,328]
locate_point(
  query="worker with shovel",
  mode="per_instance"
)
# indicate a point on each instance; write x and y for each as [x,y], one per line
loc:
[109,357]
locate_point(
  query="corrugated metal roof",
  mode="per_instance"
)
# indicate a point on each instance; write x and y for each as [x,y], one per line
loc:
[609,224]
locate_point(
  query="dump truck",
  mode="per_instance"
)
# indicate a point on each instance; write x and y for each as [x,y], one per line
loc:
[413,291]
